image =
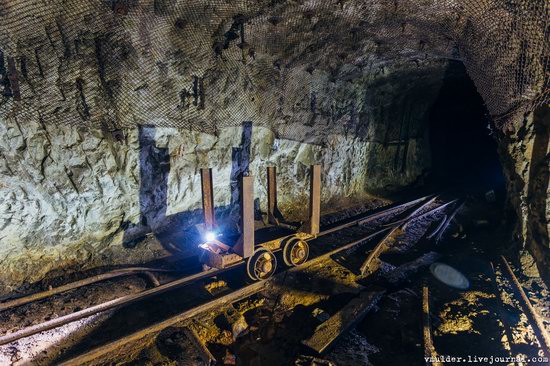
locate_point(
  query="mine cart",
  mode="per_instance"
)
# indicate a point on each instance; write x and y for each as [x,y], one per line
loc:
[258,240]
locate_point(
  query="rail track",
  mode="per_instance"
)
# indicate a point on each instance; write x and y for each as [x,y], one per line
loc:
[392,218]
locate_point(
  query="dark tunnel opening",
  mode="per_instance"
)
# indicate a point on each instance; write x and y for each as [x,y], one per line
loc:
[464,155]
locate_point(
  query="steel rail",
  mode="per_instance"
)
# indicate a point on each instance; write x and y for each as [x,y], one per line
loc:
[374,216]
[236,295]
[112,304]
[400,224]
[537,324]
[132,298]
[77,284]
[448,221]
[212,304]
[9,304]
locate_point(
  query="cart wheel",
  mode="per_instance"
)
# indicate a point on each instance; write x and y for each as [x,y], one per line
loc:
[295,252]
[261,265]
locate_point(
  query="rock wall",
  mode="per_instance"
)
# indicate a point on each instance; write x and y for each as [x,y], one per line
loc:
[525,154]
[72,197]
[109,108]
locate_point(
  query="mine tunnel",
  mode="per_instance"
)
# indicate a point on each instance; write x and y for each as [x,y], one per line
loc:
[462,146]
[274,182]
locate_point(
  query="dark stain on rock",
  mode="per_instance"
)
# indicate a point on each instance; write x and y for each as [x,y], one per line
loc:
[13,78]
[82,107]
[4,80]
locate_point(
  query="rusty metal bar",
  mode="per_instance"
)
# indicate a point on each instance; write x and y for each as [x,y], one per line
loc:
[208,199]
[536,323]
[247,215]
[245,245]
[205,353]
[239,294]
[112,304]
[312,226]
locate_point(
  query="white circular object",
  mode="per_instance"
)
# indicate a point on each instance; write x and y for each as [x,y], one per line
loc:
[449,276]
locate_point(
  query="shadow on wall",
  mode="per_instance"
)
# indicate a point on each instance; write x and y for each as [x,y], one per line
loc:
[177,232]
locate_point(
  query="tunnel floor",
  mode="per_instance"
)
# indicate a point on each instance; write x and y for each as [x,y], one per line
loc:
[269,327]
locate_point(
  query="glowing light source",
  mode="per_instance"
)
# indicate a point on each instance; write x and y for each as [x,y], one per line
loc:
[210,236]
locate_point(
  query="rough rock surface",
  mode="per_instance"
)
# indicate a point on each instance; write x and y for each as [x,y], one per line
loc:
[525,155]
[342,83]
[72,197]
[77,181]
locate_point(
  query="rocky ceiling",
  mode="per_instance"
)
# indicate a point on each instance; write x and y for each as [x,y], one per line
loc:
[205,65]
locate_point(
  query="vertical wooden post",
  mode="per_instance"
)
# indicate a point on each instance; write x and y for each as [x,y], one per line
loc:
[208,199]
[315,200]
[272,195]
[245,246]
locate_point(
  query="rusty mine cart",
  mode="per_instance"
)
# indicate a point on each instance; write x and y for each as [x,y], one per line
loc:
[257,241]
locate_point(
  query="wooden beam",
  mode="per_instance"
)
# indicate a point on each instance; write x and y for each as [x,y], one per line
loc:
[312,226]
[430,355]
[245,245]
[208,199]
[337,325]
[205,353]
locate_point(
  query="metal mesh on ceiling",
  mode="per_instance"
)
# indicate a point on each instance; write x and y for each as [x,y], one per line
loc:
[199,64]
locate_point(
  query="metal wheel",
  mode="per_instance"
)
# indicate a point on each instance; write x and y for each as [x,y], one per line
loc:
[261,265]
[295,252]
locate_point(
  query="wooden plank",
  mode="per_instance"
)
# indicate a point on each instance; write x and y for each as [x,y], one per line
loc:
[430,355]
[503,316]
[406,270]
[337,325]
[205,353]
[313,224]
[208,199]
[245,244]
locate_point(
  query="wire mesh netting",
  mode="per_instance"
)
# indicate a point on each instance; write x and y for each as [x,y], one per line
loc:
[208,64]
